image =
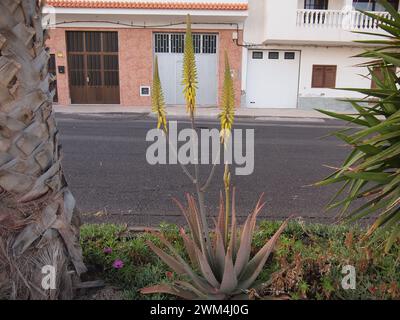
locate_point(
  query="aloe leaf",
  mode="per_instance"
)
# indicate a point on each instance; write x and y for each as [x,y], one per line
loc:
[233,239]
[198,294]
[169,260]
[243,254]
[205,267]
[163,288]
[189,246]
[219,253]
[201,283]
[191,220]
[256,264]
[229,280]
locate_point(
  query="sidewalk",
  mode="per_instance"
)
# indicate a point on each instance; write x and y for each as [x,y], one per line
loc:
[201,112]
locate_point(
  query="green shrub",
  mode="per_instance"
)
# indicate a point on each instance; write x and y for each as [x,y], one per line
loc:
[372,170]
[307,263]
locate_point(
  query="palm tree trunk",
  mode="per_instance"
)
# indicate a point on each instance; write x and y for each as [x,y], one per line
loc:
[39,223]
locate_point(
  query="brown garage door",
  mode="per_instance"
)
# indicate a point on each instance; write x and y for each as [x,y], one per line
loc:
[93,67]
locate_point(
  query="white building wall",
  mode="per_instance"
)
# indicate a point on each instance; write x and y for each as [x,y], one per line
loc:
[271,25]
[348,75]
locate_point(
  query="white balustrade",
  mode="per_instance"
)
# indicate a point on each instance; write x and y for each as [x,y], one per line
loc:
[351,20]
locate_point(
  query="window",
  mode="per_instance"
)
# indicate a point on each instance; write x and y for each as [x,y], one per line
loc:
[373,5]
[324,76]
[93,41]
[273,55]
[258,55]
[110,41]
[197,43]
[144,91]
[377,72]
[209,43]
[290,55]
[316,4]
[161,43]
[177,43]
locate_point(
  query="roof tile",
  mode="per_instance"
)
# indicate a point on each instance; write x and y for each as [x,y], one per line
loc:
[96,4]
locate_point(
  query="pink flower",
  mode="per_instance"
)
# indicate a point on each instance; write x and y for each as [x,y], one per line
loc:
[118,264]
[107,250]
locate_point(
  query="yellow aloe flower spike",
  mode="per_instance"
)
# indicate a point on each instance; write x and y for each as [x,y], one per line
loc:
[157,99]
[189,71]
[227,114]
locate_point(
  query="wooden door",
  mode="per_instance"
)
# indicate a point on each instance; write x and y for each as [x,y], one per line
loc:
[93,67]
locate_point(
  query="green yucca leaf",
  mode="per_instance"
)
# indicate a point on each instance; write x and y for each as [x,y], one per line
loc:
[344,117]
[381,178]
[371,172]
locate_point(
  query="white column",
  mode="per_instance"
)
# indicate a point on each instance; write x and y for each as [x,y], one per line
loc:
[348,3]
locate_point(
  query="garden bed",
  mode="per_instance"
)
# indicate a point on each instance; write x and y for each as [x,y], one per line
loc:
[307,263]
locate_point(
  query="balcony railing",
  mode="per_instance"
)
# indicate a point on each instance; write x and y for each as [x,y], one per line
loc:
[350,20]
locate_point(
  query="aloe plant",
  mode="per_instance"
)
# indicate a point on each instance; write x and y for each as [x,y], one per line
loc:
[225,274]
[157,99]
[372,170]
[220,266]
[227,114]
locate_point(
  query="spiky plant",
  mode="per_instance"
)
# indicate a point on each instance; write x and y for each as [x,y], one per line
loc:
[39,222]
[226,270]
[225,274]
[189,80]
[372,170]
[227,114]
[157,99]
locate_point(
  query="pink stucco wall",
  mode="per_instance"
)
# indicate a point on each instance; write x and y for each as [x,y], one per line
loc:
[136,61]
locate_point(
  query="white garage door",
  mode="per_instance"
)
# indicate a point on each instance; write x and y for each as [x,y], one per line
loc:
[272,79]
[169,48]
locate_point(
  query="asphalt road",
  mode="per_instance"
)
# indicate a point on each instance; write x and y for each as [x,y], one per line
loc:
[105,165]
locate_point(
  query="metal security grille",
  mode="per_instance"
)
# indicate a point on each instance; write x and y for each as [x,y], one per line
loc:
[169,49]
[93,67]
[209,44]
[197,43]
[161,43]
[175,43]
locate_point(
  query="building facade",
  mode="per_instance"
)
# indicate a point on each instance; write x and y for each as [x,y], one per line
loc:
[104,50]
[283,54]
[298,51]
